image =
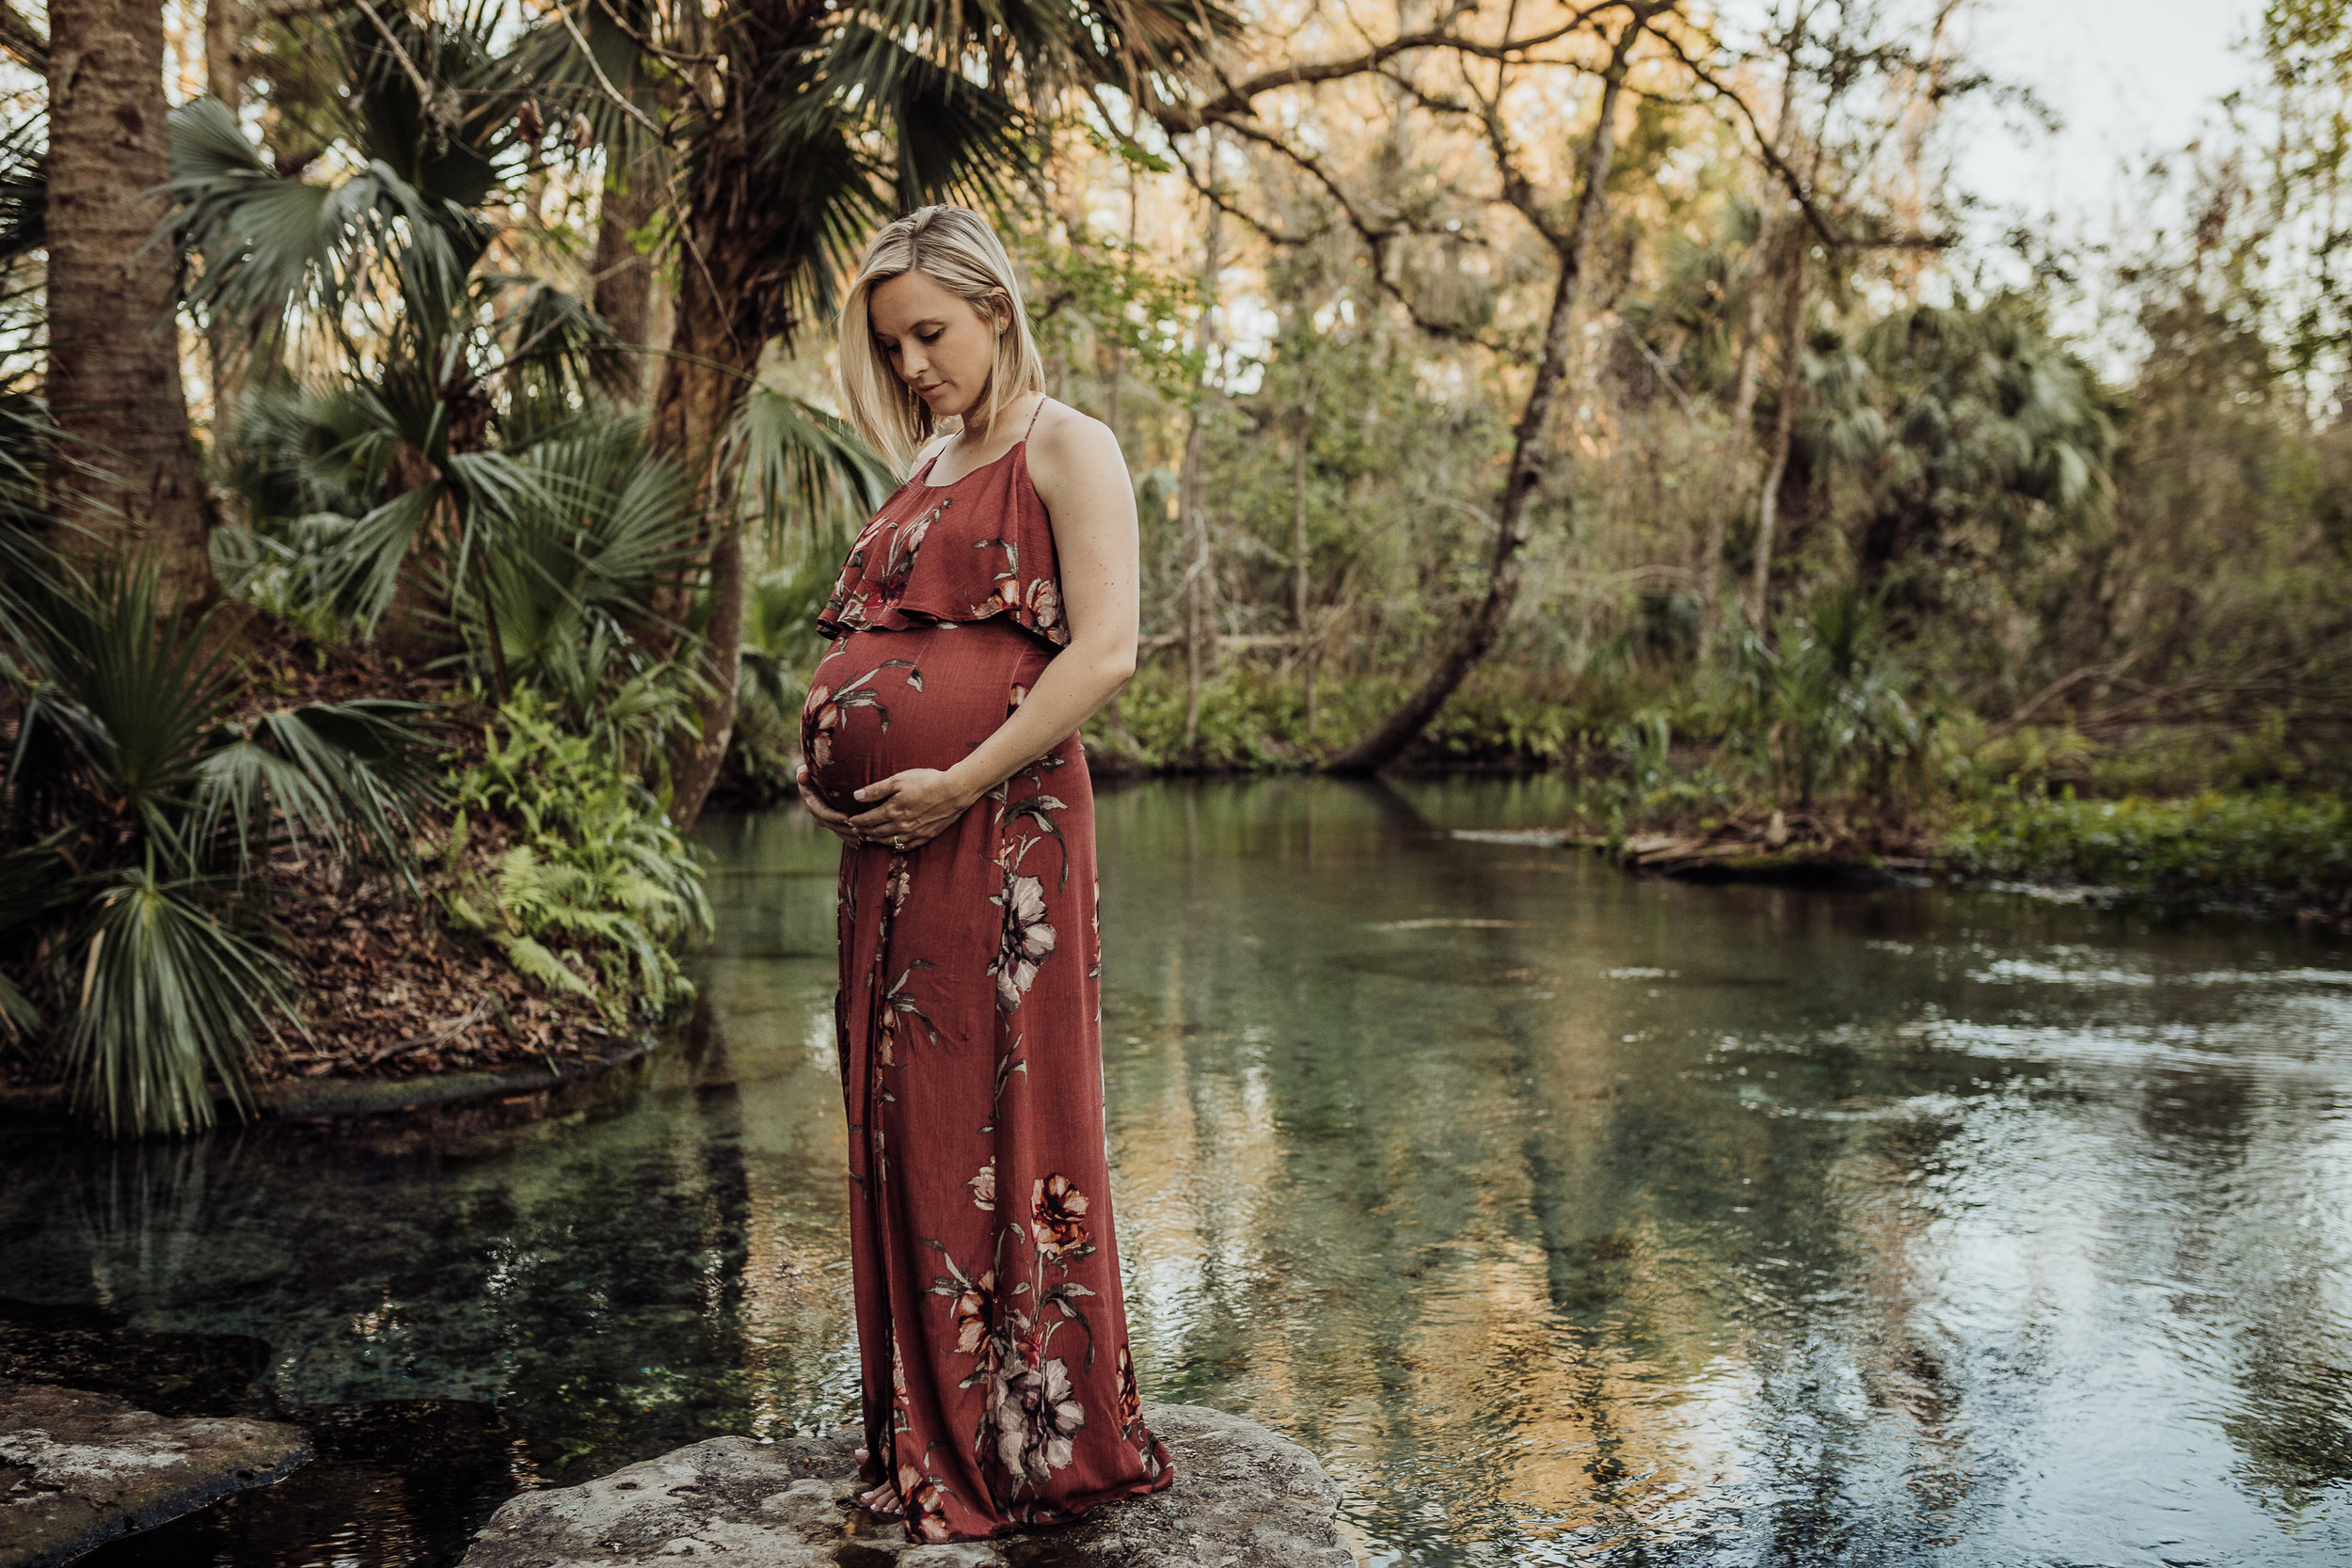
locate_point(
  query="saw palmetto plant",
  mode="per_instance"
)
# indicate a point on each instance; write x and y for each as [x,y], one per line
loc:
[144,799]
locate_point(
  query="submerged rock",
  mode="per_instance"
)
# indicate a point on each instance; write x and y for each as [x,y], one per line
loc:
[77,1470]
[1243,1497]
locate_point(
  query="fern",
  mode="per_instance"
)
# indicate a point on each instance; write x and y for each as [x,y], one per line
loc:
[599,868]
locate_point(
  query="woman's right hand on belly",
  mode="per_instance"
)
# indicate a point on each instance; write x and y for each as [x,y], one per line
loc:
[834,820]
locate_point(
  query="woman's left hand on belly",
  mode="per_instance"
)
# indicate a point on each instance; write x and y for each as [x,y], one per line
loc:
[814,799]
[910,808]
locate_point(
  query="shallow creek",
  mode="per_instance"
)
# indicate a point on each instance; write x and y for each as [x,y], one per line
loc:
[1569,1217]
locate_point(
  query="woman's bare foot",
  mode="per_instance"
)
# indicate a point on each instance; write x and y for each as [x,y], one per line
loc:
[883,1500]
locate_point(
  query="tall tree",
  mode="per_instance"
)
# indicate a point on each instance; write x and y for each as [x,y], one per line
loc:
[1793,281]
[623,270]
[127,473]
[225,62]
[1193,500]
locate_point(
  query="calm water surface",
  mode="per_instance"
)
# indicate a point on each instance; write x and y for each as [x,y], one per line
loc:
[1570,1218]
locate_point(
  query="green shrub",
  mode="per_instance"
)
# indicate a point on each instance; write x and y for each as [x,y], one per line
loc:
[2202,846]
[599,888]
[142,802]
[1254,720]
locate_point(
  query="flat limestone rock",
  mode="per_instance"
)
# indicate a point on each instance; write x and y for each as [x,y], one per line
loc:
[77,1470]
[1243,1497]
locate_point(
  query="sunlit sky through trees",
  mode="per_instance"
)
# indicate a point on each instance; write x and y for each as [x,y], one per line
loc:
[2130,78]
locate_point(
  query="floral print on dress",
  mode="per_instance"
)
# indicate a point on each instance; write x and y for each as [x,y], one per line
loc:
[1059,1209]
[1025,939]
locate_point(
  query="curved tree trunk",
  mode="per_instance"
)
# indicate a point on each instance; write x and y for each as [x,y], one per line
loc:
[1784,436]
[1531,455]
[126,469]
[1735,481]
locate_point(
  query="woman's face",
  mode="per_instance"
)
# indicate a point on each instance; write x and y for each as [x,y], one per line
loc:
[939,344]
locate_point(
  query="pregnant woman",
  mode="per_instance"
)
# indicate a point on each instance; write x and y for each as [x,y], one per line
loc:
[983,615]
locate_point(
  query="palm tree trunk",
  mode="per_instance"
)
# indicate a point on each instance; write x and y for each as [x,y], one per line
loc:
[624,275]
[225,62]
[715,348]
[127,467]
[1531,455]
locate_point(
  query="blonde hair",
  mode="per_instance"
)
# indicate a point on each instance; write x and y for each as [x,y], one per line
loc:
[954,247]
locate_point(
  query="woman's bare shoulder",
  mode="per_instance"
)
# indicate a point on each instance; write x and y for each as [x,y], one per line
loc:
[1070,446]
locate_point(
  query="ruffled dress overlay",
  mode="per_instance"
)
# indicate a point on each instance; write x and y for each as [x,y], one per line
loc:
[999,1391]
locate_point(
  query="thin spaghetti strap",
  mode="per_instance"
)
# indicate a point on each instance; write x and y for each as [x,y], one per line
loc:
[1033,414]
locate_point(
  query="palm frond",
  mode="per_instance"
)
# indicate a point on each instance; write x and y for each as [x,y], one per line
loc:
[803,471]
[122,697]
[361,567]
[24,191]
[266,250]
[351,775]
[558,352]
[168,999]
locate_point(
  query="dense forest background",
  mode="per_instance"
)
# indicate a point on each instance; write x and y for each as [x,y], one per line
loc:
[422,466]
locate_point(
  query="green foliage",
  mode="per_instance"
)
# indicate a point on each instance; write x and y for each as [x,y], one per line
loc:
[140,804]
[599,888]
[1254,720]
[2202,847]
[1827,710]
[1123,300]
[1998,441]
[169,1002]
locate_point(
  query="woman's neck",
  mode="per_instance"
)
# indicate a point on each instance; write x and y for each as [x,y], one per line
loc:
[978,434]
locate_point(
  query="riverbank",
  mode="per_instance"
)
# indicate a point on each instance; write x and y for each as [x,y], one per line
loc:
[2176,817]
[527,934]
[2266,854]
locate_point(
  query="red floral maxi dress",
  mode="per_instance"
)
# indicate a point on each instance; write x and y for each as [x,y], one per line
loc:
[991,1330]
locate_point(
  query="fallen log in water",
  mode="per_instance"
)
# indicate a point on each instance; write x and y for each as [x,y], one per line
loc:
[1801,854]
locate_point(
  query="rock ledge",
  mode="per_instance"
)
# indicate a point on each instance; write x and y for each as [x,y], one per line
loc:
[77,1470]
[1243,1497]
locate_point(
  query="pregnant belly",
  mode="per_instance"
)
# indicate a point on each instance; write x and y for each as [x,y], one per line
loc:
[882,702]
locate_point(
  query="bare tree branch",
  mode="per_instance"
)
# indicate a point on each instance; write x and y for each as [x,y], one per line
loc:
[1376,237]
[1237,96]
[1790,181]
